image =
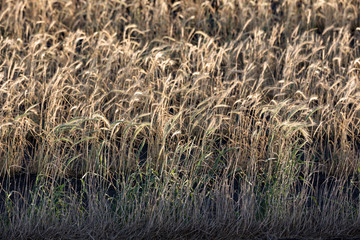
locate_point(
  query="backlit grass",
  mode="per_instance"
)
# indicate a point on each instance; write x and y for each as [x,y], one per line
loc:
[179,119]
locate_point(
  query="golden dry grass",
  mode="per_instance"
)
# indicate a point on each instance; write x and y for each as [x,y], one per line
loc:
[218,94]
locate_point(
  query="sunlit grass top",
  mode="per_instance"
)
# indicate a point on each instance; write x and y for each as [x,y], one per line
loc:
[222,86]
